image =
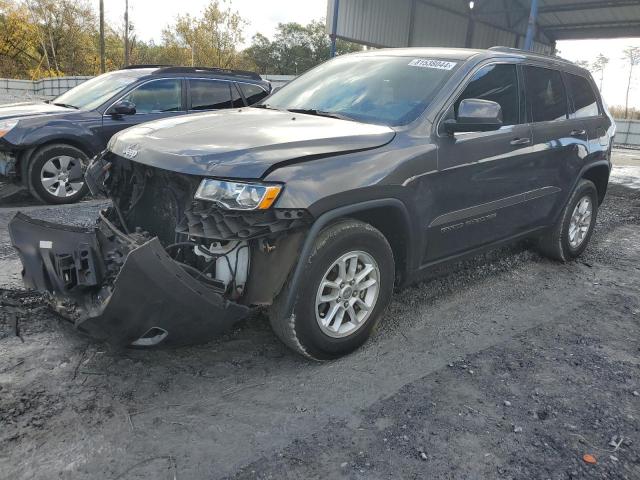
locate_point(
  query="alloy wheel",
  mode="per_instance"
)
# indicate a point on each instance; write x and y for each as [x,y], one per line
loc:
[61,176]
[580,222]
[347,294]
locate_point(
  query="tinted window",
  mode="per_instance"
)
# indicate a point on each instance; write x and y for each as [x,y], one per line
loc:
[209,94]
[157,96]
[236,98]
[545,94]
[584,99]
[252,93]
[378,89]
[498,83]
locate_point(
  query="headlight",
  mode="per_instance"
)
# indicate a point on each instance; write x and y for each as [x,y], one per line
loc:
[6,125]
[238,195]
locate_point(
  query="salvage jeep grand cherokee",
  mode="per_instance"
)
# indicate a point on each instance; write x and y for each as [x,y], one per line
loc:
[361,175]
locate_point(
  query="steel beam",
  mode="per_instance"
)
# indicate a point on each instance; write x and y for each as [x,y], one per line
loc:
[531,27]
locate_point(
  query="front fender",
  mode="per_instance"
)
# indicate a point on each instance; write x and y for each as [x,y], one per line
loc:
[324,220]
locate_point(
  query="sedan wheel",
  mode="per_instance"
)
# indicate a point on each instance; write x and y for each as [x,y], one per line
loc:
[56,174]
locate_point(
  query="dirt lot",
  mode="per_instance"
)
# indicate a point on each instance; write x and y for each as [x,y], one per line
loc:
[509,366]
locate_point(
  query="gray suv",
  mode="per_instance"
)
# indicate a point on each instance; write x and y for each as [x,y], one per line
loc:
[361,175]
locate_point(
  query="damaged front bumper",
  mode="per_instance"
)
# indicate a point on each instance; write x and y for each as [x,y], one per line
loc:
[120,288]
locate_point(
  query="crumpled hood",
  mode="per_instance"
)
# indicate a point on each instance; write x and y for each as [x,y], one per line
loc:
[14,110]
[244,142]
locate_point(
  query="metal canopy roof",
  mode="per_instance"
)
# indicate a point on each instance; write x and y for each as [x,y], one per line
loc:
[401,23]
[567,19]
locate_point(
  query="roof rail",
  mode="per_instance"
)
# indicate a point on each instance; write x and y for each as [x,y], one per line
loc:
[129,67]
[219,71]
[519,51]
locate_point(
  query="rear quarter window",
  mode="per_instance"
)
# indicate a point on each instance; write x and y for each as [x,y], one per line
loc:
[584,98]
[546,95]
[252,93]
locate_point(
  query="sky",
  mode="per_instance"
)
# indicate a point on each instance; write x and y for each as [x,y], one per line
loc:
[616,74]
[151,16]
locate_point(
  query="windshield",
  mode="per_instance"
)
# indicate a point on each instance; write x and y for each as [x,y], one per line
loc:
[385,90]
[93,93]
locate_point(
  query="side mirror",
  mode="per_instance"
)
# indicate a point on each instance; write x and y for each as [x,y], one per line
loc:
[475,115]
[123,107]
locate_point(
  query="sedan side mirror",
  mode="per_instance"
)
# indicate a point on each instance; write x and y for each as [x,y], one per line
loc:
[475,115]
[123,107]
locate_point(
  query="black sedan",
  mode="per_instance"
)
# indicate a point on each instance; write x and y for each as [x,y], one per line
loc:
[44,145]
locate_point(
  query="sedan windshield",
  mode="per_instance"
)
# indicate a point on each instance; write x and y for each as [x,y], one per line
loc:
[385,90]
[93,93]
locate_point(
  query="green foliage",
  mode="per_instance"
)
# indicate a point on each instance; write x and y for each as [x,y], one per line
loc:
[295,48]
[41,38]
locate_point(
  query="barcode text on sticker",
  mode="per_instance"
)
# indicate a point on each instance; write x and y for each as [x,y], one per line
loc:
[430,63]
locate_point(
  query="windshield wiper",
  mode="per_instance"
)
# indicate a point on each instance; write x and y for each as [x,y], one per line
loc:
[66,105]
[319,113]
[265,105]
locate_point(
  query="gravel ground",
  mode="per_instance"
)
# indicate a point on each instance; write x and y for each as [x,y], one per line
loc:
[508,366]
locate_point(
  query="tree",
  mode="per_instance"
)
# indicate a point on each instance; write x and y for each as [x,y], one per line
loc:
[295,48]
[632,55]
[262,53]
[599,65]
[18,51]
[210,39]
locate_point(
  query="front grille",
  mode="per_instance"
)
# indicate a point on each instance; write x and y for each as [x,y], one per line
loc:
[205,219]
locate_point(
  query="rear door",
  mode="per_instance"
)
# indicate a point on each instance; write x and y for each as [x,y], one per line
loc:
[587,110]
[560,142]
[483,177]
[154,99]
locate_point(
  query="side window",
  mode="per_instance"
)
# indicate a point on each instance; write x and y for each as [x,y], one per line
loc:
[498,83]
[252,93]
[157,96]
[546,95]
[584,98]
[209,94]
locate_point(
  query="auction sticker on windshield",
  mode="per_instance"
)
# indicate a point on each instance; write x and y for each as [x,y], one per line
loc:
[429,63]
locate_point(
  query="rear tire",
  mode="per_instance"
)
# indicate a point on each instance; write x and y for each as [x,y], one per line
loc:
[571,234]
[346,285]
[56,174]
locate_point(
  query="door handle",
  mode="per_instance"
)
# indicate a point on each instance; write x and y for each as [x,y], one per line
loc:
[578,133]
[520,141]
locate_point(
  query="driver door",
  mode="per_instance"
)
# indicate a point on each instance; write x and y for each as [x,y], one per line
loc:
[155,99]
[482,177]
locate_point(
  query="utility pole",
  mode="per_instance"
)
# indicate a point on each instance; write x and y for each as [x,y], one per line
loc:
[102,66]
[334,27]
[126,33]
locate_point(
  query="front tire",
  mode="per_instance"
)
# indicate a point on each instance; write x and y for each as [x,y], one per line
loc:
[56,174]
[346,285]
[571,234]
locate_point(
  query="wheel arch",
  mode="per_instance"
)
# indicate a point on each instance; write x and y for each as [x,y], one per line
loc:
[599,175]
[384,214]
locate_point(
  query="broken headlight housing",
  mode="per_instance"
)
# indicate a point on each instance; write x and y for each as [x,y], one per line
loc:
[238,195]
[7,125]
